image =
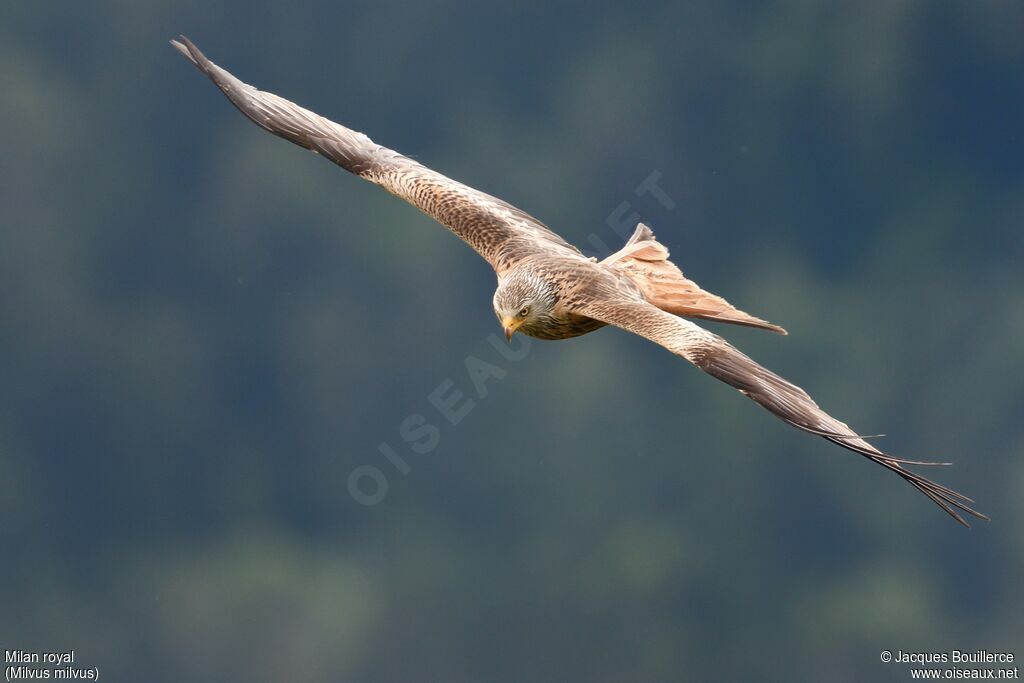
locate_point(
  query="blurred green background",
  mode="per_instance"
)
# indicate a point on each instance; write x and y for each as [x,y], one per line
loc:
[205,330]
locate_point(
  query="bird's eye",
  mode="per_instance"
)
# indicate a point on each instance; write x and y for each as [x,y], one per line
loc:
[524,311]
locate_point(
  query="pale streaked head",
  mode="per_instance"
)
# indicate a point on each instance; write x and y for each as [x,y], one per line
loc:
[523,301]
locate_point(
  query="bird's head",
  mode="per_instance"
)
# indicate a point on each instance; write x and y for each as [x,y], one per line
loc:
[523,301]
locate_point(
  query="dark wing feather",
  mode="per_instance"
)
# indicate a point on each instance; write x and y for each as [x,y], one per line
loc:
[498,231]
[718,358]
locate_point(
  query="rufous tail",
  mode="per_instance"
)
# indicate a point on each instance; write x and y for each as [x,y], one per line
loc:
[645,261]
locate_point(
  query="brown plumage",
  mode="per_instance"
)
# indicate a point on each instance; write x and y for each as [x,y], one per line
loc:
[645,262]
[548,289]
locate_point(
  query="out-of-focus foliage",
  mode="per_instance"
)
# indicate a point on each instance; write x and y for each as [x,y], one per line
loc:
[204,330]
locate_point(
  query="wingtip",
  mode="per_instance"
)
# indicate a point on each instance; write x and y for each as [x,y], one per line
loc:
[180,47]
[977,515]
[187,48]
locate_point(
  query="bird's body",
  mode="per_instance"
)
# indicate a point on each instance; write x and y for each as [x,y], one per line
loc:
[548,289]
[558,280]
[554,280]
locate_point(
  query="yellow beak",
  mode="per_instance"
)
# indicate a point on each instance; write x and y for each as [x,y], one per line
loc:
[510,327]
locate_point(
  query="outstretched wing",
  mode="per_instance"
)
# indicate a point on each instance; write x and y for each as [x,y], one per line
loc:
[498,231]
[718,358]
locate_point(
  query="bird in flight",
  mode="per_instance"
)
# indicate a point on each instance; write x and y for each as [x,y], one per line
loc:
[549,290]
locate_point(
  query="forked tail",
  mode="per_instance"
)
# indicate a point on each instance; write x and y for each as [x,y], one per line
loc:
[645,261]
